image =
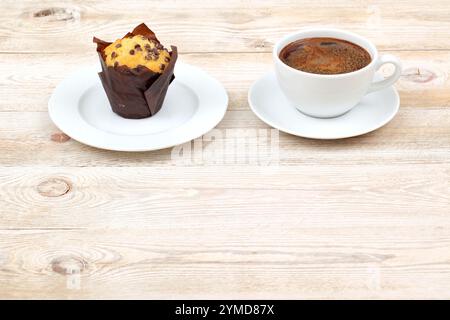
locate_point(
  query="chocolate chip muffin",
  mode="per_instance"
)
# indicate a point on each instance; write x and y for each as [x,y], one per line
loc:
[137,51]
[136,72]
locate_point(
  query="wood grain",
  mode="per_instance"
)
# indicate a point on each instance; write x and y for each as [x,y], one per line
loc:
[157,198]
[365,217]
[248,261]
[243,26]
[425,80]
[416,136]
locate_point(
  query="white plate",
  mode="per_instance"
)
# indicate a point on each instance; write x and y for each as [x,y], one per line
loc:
[195,103]
[271,106]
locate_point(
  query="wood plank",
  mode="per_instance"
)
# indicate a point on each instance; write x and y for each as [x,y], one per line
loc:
[220,26]
[415,136]
[248,261]
[31,78]
[211,197]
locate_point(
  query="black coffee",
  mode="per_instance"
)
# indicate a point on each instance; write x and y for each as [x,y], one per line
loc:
[325,56]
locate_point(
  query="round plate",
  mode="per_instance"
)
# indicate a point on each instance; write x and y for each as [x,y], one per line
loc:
[195,103]
[271,106]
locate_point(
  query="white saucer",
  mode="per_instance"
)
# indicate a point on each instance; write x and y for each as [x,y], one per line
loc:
[195,103]
[271,106]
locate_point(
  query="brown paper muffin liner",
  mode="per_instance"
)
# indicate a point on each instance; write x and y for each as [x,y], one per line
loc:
[139,92]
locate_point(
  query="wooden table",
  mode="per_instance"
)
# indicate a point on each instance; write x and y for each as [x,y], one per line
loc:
[366,217]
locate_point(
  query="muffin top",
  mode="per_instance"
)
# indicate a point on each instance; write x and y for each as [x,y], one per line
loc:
[137,51]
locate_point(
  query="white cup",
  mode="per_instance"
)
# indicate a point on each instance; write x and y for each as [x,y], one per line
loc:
[328,96]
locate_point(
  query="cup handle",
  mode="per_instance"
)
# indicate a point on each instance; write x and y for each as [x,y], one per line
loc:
[387,58]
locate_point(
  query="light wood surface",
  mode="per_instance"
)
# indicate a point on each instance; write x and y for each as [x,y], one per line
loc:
[366,217]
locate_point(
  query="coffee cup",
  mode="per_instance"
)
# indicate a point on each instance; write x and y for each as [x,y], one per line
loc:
[331,95]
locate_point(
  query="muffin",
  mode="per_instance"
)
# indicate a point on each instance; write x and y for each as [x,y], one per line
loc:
[136,72]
